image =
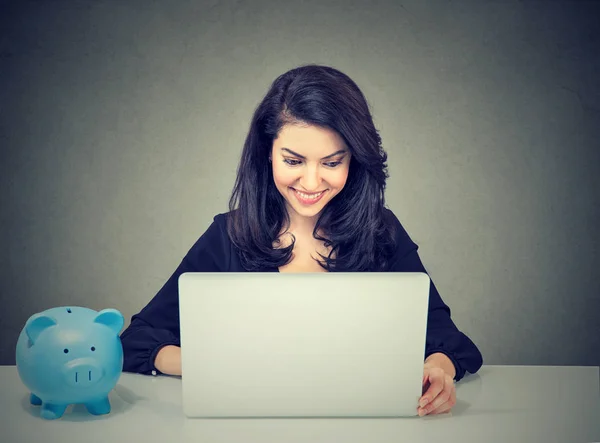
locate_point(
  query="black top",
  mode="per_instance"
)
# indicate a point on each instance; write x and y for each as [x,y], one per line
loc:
[157,324]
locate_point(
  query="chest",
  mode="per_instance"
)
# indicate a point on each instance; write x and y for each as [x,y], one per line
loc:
[305,256]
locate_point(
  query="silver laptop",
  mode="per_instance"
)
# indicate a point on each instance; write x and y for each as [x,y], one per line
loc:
[302,344]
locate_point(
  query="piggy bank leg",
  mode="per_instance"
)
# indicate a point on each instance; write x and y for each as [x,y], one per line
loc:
[35,400]
[99,407]
[52,411]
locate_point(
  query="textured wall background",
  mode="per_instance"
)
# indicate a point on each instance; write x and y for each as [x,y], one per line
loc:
[121,124]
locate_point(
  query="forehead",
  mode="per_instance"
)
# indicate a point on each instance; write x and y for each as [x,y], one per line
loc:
[309,140]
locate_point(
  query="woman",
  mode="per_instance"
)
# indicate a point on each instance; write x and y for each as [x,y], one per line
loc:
[309,197]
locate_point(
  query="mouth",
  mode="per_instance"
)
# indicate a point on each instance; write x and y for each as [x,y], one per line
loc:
[308,199]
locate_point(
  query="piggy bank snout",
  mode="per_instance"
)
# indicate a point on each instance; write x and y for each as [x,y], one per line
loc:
[83,372]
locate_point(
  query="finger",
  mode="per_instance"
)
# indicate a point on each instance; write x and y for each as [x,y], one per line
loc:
[446,407]
[443,396]
[441,399]
[436,380]
[444,401]
[425,383]
[426,386]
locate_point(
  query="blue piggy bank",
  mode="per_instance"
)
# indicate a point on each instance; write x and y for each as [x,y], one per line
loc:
[71,355]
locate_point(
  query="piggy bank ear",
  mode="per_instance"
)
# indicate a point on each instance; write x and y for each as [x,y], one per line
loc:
[36,324]
[111,318]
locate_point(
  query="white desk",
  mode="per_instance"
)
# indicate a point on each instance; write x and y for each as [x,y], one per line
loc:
[499,404]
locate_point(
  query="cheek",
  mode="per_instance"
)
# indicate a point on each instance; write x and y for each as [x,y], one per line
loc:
[339,179]
[283,177]
[286,177]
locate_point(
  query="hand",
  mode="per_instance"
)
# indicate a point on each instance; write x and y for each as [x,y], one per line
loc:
[439,392]
[168,360]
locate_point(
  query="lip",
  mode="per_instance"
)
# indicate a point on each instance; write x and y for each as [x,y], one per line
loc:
[308,202]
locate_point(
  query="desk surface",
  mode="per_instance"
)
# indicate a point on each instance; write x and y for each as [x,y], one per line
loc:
[500,403]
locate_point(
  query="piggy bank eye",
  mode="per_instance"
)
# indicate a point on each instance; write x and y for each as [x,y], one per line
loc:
[93,348]
[66,351]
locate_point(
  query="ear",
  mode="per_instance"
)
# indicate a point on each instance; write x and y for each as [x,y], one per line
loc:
[111,318]
[36,324]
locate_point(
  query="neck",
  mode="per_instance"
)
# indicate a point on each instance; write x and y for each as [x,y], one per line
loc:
[301,224]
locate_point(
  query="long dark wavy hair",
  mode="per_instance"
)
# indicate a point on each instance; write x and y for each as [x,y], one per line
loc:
[355,222]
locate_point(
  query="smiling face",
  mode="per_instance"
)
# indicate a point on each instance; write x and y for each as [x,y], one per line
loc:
[310,167]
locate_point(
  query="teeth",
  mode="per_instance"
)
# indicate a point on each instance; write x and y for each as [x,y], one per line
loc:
[309,197]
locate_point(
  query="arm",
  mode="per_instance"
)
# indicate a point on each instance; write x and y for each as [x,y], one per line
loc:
[151,341]
[440,360]
[442,334]
[154,328]
[168,360]
[444,341]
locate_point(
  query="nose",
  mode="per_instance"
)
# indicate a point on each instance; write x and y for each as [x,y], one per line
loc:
[311,179]
[83,373]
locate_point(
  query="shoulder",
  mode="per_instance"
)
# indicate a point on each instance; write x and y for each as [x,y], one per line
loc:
[220,220]
[403,242]
[217,230]
[212,250]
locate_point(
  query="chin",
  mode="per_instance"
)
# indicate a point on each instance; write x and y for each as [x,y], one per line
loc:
[307,211]
[310,212]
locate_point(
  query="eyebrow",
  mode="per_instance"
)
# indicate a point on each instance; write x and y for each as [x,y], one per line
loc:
[341,151]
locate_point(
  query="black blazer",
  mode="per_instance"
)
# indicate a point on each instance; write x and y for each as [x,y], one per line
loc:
[157,324]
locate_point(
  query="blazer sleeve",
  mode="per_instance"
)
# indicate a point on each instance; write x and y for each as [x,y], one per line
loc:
[157,324]
[442,334]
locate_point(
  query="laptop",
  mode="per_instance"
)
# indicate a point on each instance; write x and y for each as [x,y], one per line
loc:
[263,344]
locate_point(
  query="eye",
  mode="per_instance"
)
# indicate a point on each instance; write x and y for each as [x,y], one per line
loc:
[297,162]
[93,348]
[66,351]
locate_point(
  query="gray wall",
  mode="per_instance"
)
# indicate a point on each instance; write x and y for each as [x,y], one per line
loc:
[121,124]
